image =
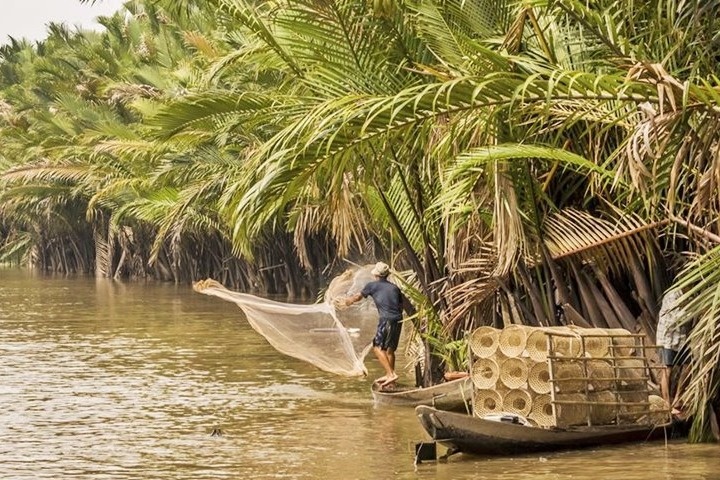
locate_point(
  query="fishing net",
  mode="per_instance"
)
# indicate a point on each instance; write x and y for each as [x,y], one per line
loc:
[333,340]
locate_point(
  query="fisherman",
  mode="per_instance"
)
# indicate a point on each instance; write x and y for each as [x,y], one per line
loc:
[671,335]
[389,302]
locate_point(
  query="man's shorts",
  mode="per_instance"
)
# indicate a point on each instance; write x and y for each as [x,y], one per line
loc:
[387,336]
[671,358]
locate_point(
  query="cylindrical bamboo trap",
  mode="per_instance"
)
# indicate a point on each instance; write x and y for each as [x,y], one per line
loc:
[541,412]
[622,341]
[603,407]
[568,377]
[571,409]
[537,345]
[634,406]
[486,402]
[631,373]
[513,339]
[565,343]
[485,373]
[601,375]
[483,341]
[660,411]
[517,401]
[595,342]
[514,373]
[539,378]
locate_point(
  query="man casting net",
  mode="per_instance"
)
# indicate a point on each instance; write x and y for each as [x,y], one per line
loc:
[334,341]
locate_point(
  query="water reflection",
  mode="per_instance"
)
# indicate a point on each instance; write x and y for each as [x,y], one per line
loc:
[107,380]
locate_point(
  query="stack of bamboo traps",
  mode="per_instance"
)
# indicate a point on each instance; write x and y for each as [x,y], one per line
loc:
[563,376]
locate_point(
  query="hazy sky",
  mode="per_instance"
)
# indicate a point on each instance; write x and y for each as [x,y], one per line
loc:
[29,18]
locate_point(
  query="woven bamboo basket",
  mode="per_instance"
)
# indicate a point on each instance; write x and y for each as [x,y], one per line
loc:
[632,407]
[574,413]
[539,378]
[660,411]
[483,341]
[541,412]
[623,343]
[568,376]
[631,374]
[601,375]
[594,341]
[485,373]
[513,339]
[601,413]
[567,344]
[537,345]
[517,401]
[514,373]
[486,402]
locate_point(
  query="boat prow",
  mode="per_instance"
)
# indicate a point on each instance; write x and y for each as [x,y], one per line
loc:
[454,395]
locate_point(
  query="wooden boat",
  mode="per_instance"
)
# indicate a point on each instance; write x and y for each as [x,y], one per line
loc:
[452,395]
[469,434]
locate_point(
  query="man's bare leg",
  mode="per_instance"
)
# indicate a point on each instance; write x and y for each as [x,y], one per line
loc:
[384,358]
[391,358]
[385,363]
[676,405]
[665,384]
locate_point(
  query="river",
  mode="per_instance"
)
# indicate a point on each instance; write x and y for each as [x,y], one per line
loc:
[102,379]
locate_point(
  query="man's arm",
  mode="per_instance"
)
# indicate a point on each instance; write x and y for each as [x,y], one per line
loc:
[353,299]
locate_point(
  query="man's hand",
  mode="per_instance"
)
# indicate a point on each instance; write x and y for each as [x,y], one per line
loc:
[340,303]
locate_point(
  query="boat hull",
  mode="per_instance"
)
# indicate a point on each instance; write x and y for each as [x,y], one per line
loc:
[455,395]
[465,433]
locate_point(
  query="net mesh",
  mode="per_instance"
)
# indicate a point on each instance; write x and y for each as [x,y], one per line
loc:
[336,341]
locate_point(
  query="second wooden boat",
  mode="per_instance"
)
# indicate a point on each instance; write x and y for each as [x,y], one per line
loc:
[454,395]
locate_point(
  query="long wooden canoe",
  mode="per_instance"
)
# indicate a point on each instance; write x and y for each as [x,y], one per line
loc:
[469,434]
[454,395]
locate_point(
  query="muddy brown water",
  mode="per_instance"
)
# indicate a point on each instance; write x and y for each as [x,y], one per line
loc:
[109,380]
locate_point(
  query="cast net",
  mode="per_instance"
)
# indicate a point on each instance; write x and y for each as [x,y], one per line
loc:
[336,341]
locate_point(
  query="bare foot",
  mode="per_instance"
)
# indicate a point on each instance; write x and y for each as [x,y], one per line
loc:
[390,379]
[381,379]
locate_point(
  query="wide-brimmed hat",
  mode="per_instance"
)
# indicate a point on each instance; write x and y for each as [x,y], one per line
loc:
[381,270]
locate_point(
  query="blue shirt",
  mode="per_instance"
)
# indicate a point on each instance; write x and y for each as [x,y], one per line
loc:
[387,297]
